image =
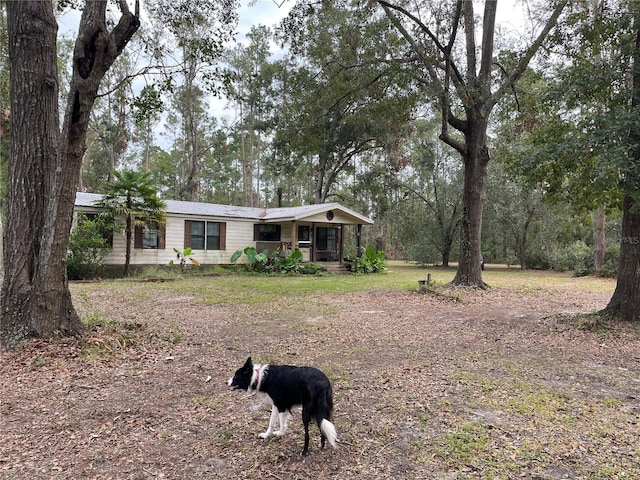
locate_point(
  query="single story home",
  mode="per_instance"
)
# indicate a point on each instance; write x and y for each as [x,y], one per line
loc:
[215,232]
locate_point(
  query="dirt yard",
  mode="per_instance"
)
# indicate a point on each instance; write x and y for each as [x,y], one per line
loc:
[504,383]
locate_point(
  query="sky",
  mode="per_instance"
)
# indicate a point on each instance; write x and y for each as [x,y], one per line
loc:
[262,12]
[251,12]
[271,12]
[265,12]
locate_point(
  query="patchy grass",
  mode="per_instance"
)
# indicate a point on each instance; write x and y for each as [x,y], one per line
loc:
[400,276]
[515,382]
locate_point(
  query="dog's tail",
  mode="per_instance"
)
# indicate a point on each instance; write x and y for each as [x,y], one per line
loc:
[323,413]
[329,431]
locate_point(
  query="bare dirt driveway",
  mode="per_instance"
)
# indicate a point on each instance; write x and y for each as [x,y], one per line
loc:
[505,383]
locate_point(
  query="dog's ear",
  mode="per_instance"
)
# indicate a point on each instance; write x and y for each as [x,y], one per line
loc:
[248,364]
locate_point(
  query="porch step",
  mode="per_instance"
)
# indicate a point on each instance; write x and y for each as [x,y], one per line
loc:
[336,268]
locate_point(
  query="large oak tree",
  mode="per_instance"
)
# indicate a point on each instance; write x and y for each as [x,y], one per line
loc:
[580,133]
[45,159]
[347,101]
[625,302]
[467,80]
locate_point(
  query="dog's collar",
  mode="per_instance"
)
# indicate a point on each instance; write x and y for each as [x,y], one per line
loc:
[254,385]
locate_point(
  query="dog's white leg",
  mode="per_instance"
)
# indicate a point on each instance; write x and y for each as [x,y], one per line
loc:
[284,419]
[272,422]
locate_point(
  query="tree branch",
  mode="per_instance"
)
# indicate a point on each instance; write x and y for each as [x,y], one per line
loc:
[126,27]
[470,39]
[449,68]
[488,31]
[459,146]
[530,52]
[445,50]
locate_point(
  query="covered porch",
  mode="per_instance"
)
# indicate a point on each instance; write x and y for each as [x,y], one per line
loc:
[328,236]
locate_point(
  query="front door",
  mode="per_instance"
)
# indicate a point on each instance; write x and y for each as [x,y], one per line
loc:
[327,243]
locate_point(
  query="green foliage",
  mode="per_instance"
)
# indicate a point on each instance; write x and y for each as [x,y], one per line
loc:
[343,100]
[87,249]
[187,22]
[370,262]
[312,268]
[133,196]
[148,104]
[285,264]
[423,253]
[131,199]
[255,260]
[576,257]
[279,263]
[536,258]
[574,134]
[609,268]
[182,256]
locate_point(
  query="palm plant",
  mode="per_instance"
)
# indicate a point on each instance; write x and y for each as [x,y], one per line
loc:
[132,197]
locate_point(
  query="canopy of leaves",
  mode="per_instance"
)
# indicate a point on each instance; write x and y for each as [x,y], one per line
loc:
[573,139]
[350,97]
[133,195]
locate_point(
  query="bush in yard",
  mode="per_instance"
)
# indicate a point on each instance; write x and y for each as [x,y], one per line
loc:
[536,259]
[255,260]
[312,268]
[87,249]
[285,264]
[370,262]
[576,257]
[424,254]
[182,257]
[611,258]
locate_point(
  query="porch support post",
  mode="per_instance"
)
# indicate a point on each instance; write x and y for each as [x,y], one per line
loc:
[359,239]
[294,236]
[341,244]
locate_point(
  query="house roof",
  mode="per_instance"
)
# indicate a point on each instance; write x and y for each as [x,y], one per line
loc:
[267,215]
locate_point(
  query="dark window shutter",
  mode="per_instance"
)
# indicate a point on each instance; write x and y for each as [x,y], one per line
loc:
[187,234]
[278,232]
[256,232]
[223,236]
[162,235]
[137,236]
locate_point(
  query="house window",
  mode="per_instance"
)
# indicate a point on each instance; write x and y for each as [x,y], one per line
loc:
[201,235]
[304,233]
[150,236]
[213,236]
[197,235]
[266,232]
[327,239]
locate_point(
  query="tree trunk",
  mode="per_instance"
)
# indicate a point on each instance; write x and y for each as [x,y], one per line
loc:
[469,271]
[625,302]
[445,257]
[128,232]
[522,252]
[44,166]
[447,243]
[599,238]
[320,191]
[35,297]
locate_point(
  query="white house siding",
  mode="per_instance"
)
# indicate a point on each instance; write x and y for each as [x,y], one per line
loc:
[238,231]
[239,222]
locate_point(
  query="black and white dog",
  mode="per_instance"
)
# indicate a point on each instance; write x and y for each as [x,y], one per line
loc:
[286,386]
